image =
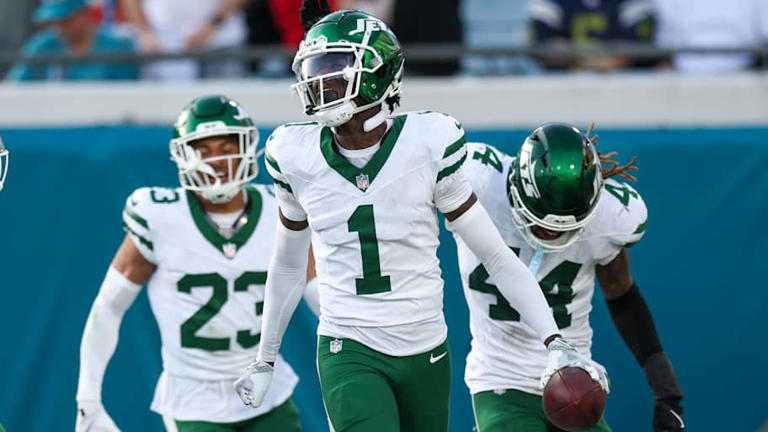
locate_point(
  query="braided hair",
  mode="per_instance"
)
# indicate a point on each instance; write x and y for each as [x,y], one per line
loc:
[614,168]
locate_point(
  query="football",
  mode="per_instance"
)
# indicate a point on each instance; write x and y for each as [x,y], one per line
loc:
[572,400]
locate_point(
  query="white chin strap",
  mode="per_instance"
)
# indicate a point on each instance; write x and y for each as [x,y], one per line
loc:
[221,194]
[337,116]
[343,113]
[379,118]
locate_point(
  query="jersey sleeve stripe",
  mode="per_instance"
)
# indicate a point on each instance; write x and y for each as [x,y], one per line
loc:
[456,146]
[445,172]
[133,215]
[283,185]
[641,228]
[272,162]
[141,239]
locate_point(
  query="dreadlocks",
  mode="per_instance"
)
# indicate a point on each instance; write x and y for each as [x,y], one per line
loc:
[614,169]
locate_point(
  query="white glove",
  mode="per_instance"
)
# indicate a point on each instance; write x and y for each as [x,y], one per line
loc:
[562,354]
[92,417]
[254,383]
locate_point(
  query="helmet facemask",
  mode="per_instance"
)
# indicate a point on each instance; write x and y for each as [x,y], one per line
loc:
[532,194]
[197,174]
[526,222]
[340,78]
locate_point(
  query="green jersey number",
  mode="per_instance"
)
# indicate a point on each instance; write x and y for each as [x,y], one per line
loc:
[163,195]
[561,276]
[363,223]
[622,192]
[190,327]
[488,158]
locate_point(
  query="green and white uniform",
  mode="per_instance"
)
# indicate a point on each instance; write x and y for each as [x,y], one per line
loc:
[506,353]
[383,357]
[207,295]
[375,229]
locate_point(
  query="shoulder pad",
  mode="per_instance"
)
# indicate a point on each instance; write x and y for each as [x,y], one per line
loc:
[140,215]
[623,213]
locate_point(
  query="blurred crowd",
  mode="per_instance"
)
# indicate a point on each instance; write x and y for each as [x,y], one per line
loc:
[78,28]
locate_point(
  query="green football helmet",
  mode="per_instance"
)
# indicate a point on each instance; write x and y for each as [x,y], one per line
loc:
[4,158]
[555,184]
[210,116]
[355,49]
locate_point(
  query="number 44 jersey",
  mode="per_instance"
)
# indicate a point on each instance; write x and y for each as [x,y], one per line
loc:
[505,353]
[207,294]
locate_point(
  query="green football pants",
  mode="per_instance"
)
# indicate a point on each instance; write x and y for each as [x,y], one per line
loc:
[283,418]
[516,410]
[367,391]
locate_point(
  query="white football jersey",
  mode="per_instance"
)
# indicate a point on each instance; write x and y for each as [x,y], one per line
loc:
[375,229]
[505,353]
[207,296]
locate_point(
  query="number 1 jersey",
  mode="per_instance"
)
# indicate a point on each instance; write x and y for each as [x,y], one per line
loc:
[375,229]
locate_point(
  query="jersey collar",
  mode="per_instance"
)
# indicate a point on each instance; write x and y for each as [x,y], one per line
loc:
[365,175]
[227,246]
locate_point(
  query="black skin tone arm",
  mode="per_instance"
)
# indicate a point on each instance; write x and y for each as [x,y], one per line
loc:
[615,278]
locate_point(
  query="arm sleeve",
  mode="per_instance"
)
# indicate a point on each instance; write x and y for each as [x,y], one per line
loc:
[286,280]
[101,332]
[287,201]
[635,324]
[513,279]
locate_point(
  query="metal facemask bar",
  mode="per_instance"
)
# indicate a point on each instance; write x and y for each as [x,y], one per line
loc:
[351,74]
[198,175]
[525,220]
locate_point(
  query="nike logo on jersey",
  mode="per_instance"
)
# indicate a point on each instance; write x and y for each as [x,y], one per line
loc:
[433,359]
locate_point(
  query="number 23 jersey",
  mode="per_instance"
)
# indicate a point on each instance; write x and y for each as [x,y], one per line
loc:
[505,353]
[207,291]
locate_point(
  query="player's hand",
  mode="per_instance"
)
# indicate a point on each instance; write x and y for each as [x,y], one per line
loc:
[91,417]
[668,415]
[254,383]
[562,354]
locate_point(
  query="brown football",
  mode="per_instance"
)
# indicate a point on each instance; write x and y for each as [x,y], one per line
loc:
[572,400]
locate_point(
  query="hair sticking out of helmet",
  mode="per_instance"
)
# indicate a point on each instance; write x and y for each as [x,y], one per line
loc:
[311,11]
[615,168]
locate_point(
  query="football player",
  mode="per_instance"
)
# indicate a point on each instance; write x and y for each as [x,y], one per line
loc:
[366,185]
[560,210]
[203,250]
[4,158]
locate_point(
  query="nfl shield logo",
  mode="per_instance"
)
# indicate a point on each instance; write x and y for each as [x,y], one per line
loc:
[336,345]
[362,182]
[229,250]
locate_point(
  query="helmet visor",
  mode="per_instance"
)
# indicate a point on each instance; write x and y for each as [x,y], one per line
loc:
[328,78]
[326,63]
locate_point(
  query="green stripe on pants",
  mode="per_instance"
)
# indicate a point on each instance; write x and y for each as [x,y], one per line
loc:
[367,391]
[516,410]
